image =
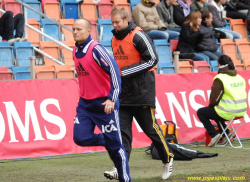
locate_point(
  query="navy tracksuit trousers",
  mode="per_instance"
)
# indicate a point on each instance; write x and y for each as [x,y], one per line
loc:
[109,124]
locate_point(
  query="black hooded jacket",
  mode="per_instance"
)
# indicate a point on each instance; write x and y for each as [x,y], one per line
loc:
[138,84]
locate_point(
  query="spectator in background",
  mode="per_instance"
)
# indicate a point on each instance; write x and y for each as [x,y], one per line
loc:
[216,8]
[223,94]
[181,11]
[146,16]
[165,11]
[198,5]
[8,24]
[232,11]
[190,31]
[206,43]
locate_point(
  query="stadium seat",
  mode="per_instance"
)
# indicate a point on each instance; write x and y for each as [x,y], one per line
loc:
[105,28]
[21,72]
[106,44]
[7,56]
[165,67]
[239,41]
[33,36]
[94,32]
[228,47]
[239,26]
[185,67]
[50,48]
[246,64]
[238,65]
[133,4]
[214,65]
[173,44]
[37,6]
[124,4]
[66,54]
[201,66]
[88,10]
[12,5]
[70,9]
[45,72]
[44,1]
[244,50]
[51,29]
[5,74]
[104,9]
[67,34]
[163,50]
[64,71]
[52,9]
[23,50]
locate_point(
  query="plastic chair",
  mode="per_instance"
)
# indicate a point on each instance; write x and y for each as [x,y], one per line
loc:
[67,34]
[33,37]
[12,5]
[45,72]
[106,44]
[51,49]
[165,67]
[104,8]
[239,41]
[45,1]
[214,65]
[52,9]
[229,48]
[64,71]
[105,28]
[21,72]
[185,67]
[66,54]
[37,6]
[88,10]
[239,26]
[5,74]
[243,50]
[238,65]
[246,64]
[7,56]
[201,66]
[51,29]
[163,50]
[23,50]
[133,4]
[70,9]
[94,32]
[234,132]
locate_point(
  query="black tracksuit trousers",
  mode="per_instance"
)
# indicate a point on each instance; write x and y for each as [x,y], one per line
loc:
[145,116]
[8,24]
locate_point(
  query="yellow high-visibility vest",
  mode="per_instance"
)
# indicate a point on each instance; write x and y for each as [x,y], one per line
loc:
[234,99]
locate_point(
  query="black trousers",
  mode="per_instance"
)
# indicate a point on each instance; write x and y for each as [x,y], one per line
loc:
[207,113]
[145,116]
[8,24]
[236,15]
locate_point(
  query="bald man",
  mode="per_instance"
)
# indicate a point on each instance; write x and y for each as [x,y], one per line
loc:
[99,88]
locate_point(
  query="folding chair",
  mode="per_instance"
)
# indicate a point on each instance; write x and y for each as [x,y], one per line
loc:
[234,132]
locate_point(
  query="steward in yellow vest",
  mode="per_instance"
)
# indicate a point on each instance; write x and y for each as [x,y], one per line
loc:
[228,99]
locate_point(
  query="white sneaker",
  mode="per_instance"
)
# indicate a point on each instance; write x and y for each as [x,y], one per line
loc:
[23,40]
[167,169]
[214,140]
[224,139]
[11,41]
[113,174]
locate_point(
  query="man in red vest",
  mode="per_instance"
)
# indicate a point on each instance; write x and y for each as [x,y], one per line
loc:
[135,54]
[99,88]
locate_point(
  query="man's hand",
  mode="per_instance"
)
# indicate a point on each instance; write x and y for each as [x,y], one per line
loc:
[109,106]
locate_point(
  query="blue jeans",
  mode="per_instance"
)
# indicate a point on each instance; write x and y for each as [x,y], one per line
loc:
[167,34]
[201,57]
[212,55]
[230,34]
[176,29]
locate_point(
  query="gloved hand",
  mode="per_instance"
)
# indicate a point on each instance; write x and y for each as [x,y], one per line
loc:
[163,28]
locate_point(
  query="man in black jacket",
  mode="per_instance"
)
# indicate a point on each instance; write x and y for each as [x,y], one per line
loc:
[135,54]
[206,43]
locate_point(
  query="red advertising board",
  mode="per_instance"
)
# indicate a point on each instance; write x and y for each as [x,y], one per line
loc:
[37,116]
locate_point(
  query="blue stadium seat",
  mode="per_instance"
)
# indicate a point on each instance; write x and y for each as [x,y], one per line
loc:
[7,56]
[70,9]
[106,44]
[51,29]
[165,68]
[133,3]
[214,65]
[227,27]
[105,27]
[22,51]
[37,6]
[163,50]
[21,72]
